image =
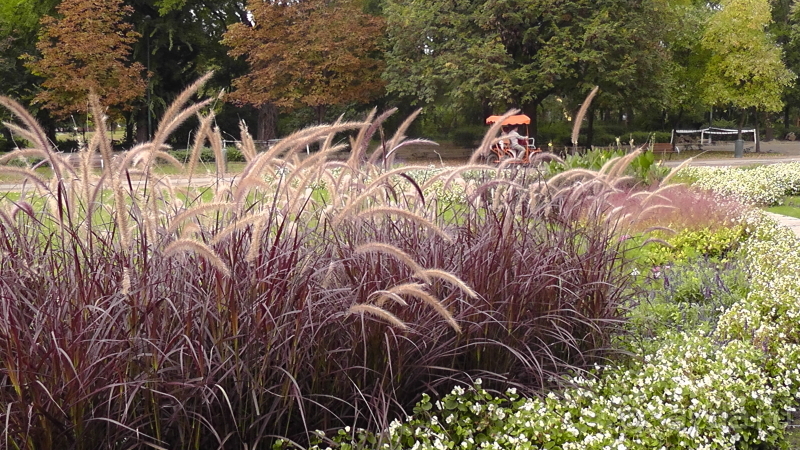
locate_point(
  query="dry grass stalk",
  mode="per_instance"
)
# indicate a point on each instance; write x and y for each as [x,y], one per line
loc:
[387,249]
[576,127]
[178,220]
[380,313]
[192,246]
[387,211]
[415,290]
[199,139]
[426,274]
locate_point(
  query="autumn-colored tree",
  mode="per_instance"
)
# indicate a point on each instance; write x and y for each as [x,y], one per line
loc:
[306,53]
[87,48]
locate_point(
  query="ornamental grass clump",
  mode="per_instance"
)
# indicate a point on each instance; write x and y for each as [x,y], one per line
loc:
[305,293]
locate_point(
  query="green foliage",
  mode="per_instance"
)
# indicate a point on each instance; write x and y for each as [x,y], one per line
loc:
[790,206]
[232,154]
[467,137]
[643,167]
[745,68]
[693,393]
[683,296]
[716,243]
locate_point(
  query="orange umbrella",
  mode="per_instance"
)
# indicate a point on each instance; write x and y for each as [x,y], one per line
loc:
[519,119]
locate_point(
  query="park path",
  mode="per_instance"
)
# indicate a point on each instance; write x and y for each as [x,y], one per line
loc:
[789,222]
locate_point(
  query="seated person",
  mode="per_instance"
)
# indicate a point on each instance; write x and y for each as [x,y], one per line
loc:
[514,137]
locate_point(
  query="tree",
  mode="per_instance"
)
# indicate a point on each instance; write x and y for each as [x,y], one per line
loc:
[315,53]
[181,41]
[87,48]
[745,69]
[514,52]
[19,30]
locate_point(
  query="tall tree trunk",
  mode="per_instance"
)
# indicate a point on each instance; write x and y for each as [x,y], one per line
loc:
[141,128]
[267,127]
[320,110]
[769,127]
[590,128]
[129,126]
[9,144]
[786,118]
[755,138]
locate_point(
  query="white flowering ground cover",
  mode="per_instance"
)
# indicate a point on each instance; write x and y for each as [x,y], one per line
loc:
[762,185]
[734,387]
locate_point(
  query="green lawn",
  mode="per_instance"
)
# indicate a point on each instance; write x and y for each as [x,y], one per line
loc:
[790,207]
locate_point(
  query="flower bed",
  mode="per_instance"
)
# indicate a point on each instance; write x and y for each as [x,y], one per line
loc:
[762,185]
[731,386]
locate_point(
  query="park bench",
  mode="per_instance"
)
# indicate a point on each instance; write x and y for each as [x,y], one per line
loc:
[665,149]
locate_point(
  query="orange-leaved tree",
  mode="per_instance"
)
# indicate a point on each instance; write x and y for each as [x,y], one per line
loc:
[313,53]
[88,47]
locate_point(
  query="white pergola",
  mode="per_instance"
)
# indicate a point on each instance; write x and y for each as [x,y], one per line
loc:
[710,131]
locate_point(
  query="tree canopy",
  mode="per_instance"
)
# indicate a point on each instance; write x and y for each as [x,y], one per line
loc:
[87,48]
[745,67]
[669,60]
[311,52]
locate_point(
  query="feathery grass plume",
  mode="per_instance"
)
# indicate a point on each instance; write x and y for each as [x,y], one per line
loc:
[576,127]
[397,138]
[415,290]
[292,144]
[623,164]
[400,255]
[609,165]
[392,151]
[176,115]
[448,277]
[379,313]
[567,177]
[377,183]
[22,154]
[622,182]
[179,246]
[667,230]
[384,295]
[386,211]
[245,185]
[101,138]
[255,240]
[178,220]
[357,142]
[327,279]
[240,224]
[199,139]
[490,137]
[189,230]
[359,147]
[247,146]
[215,138]
[33,133]
[657,241]
[121,218]
[27,174]
[675,170]
[658,193]
[302,190]
[641,215]
[541,157]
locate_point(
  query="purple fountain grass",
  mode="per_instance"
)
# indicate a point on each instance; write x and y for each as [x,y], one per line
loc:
[309,294]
